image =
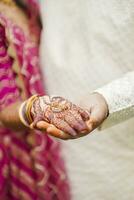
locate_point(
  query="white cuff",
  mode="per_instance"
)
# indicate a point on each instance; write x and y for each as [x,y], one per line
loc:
[119,96]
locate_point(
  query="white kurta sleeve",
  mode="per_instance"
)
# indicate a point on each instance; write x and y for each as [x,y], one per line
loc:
[119,95]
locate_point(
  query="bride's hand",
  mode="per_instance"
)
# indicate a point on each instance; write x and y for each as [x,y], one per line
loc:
[59,117]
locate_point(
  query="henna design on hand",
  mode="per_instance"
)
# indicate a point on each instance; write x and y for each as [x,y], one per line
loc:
[60,112]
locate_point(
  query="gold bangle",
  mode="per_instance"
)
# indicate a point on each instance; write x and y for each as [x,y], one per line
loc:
[22,115]
[29,106]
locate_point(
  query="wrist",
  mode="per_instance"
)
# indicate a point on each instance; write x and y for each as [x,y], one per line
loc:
[103,103]
[22,114]
[9,117]
[25,113]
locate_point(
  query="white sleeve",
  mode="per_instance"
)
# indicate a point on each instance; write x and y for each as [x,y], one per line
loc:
[119,95]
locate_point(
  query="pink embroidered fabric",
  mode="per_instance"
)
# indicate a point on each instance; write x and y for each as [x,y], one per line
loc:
[27,171]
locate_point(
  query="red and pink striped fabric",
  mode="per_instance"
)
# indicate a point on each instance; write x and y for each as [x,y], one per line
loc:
[27,171]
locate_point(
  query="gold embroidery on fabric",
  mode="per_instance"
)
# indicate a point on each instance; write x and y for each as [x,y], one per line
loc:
[8,2]
[5,171]
[15,65]
[4,60]
[2,49]
[16,68]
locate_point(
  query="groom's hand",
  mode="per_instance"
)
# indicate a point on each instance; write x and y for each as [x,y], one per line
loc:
[98,109]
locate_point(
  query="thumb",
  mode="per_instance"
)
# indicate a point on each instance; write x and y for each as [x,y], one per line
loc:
[97,116]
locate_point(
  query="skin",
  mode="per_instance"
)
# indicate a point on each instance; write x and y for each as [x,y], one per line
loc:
[10,117]
[21,19]
[59,113]
[98,110]
[94,103]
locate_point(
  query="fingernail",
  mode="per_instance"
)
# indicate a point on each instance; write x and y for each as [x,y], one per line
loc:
[73,133]
[90,126]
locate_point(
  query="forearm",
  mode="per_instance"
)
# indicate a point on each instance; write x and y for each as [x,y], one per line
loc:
[9,117]
[119,96]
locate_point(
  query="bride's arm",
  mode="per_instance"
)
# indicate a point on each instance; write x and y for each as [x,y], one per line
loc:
[9,92]
[9,117]
[119,95]
[64,121]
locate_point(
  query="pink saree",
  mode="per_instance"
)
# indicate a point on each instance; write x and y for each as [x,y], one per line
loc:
[29,169]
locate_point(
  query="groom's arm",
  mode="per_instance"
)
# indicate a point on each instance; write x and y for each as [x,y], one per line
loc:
[119,95]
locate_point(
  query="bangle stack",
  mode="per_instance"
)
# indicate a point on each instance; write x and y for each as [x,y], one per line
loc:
[29,106]
[25,111]
[22,114]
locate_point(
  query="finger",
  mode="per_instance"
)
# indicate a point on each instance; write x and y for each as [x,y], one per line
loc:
[96,117]
[90,128]
[42,125]
[71,120]
[64,126]
[87,131]
[53,131]
[48,115]
[33,124]
[91,124]
[84,114]
[79,119]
